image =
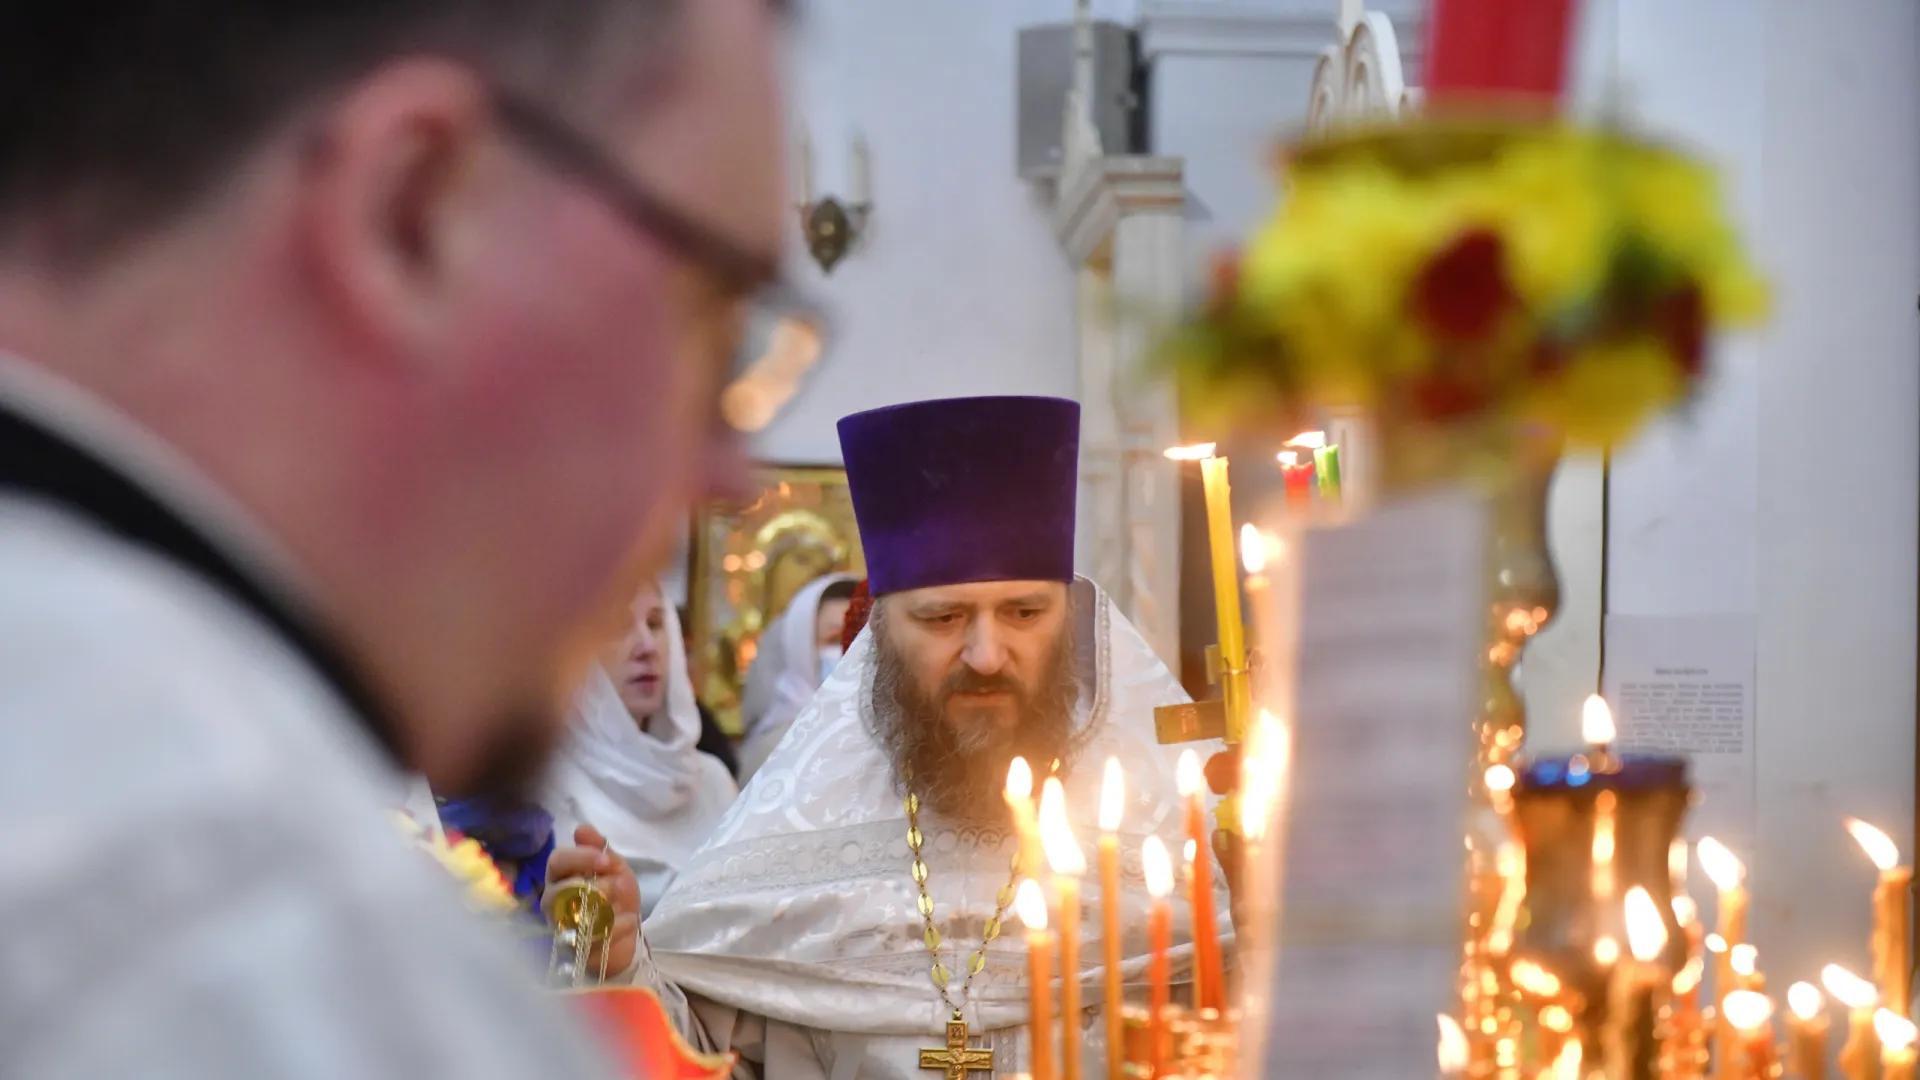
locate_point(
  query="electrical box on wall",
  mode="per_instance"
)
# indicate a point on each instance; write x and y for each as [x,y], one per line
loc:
[1046,74]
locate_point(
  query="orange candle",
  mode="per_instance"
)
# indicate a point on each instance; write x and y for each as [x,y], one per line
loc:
[1209,983]
[1031,905]
[1068,864]
[1158,868]
[1112,799]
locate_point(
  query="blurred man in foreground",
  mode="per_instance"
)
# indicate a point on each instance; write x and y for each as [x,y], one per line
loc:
[355,360]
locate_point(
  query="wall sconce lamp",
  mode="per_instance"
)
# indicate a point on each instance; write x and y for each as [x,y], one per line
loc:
[832,227]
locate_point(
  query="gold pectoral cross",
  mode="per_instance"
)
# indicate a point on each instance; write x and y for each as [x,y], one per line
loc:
[956,1060]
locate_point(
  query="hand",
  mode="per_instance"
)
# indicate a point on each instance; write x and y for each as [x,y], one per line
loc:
[591,857]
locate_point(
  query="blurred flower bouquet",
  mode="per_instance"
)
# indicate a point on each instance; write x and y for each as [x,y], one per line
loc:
[468,862]
[1446,272]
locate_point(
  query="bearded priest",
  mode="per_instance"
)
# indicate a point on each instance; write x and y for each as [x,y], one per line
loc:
[797,937]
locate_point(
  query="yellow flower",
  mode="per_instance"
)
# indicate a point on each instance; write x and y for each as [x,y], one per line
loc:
[1558,225]
[1607,390]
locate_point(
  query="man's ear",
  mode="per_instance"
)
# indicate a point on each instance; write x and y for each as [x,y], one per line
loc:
[379,197]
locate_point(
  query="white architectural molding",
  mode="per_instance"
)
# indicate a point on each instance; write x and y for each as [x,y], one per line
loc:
[1226,28]
[1094,197]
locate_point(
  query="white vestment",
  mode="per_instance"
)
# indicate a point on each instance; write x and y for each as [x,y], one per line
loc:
[784,676]
[201,877]
[653,794]
[794,937]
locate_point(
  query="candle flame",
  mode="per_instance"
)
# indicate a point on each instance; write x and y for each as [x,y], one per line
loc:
[1567,1066]
[1187,775]
[1715,943]
[1157,867]
[1113,796]
[1596,721]
[1677,865]
[1031,905]
[1056,834]
[1646,930]
[1189,851]
[1723,867]
[1896,1032]
[1534,979]
[1685,911]
[1500,778]
[1744,960]
[1847,988]
[1288,458]
[1253,549]
[1195,452]
[1805,1000]
[1878,845]
[1019,779]
[1606,951]
[1263,773]
[1453,1045]
[1307,440]
[1746,1010]
[1690,976]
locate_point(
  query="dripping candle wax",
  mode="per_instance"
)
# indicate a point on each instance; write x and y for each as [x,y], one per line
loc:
[1892,914]
[1157,867]
[1112,802]
[1068,864]
[1031,905]
[1209,987]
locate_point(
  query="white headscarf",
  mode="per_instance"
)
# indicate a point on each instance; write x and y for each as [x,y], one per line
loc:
[651,793]
[784,675]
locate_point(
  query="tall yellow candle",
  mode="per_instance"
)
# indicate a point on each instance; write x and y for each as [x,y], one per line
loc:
[1892,918]
[1807,1029]
[1730,924]
[1226,583]
[1031,905]
[1859,1058]
[1068,863]
[1112,802]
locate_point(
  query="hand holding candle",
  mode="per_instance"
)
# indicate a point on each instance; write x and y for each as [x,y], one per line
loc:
[1157,867]
[1068,864]
[1807,1028]
[1892,917]
[1031,905]
[1112,802]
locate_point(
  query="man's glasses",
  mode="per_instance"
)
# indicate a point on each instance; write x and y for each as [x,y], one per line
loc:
[769,306]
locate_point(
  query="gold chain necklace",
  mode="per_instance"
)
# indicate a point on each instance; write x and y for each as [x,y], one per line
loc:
[942,978]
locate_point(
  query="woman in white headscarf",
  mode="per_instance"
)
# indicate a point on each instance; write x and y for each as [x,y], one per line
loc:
[796,653]
[631,766]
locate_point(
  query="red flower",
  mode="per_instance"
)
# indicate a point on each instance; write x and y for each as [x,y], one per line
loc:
[1681,318]
[1439,397]
[1462,292]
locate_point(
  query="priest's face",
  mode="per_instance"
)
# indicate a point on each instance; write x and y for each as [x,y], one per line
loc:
[966,677]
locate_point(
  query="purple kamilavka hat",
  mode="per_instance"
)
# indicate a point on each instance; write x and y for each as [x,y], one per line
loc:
[964,489]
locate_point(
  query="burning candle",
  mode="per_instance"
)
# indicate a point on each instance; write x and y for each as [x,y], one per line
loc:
[1730,925]
[1209,989]
[1255,547]
[1807,1028]
[1112,802]
[1326,461]
[1859,1058]
[1019,795]
[1226,583]
[1744,960]
[1896,1044]
[1452,1050]
[1631,1044]
[1068,864]
[1299,480]
[1750,1015]
[1157,867]
[1596,727]
[1031,905]
[1892,916]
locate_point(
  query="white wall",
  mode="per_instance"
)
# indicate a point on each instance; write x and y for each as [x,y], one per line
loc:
[962,288]
[1790,493]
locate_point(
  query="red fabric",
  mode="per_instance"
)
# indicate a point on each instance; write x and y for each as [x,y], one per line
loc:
[642,1037]
[1511,49]
[857,611]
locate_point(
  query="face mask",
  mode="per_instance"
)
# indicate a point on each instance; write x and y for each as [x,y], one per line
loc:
[829,656]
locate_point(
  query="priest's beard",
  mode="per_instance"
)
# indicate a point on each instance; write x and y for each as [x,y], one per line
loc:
[514,757]
[958,765]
